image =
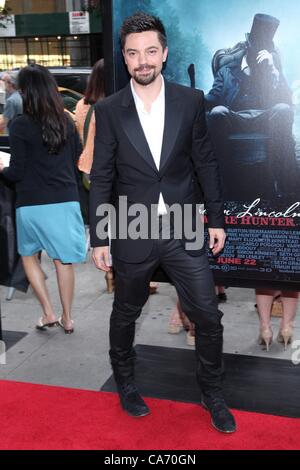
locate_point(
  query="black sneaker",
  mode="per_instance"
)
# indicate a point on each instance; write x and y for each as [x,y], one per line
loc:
[131,400]
[221,417]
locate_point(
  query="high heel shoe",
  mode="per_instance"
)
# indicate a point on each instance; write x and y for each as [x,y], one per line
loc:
[42,326]
[110,281]
[265,337]
[67,331]
[285,336]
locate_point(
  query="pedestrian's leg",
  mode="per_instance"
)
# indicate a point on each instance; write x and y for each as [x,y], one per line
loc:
[36,277]
[264,301]
[65,282]
[290,302]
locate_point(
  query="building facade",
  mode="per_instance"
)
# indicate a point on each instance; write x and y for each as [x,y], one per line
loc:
[51,33]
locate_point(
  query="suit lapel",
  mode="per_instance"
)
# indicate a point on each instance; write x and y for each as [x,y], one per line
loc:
[133,128]
[173,118]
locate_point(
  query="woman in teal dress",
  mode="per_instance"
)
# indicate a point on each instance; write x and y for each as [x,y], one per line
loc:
[45,148]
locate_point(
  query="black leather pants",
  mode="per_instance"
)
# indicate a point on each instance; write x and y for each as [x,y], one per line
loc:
[193,281]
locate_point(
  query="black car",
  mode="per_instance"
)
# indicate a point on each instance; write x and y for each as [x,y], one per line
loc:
[73,78]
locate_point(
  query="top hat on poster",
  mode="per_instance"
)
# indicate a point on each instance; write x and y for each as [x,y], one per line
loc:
[262,32]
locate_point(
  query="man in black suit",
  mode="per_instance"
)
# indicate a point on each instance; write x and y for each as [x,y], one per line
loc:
[152,145]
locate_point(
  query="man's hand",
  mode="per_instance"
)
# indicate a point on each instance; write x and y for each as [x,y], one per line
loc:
[217,238]
[1,165]
[101,258]
[265,55]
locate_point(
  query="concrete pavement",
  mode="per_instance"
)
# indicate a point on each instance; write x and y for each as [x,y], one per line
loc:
[81,360]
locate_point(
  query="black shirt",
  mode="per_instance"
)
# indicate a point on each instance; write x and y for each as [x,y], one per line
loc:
[40,177]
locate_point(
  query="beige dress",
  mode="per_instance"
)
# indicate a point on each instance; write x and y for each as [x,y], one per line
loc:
[86,158]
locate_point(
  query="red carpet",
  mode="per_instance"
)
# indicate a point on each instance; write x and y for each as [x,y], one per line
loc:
[42,417]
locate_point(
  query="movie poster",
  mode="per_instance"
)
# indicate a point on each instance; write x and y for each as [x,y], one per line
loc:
[244,56]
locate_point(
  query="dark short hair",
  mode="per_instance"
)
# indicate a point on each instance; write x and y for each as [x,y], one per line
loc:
[140,22]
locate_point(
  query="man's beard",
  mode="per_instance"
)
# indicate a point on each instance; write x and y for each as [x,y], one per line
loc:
[145,80]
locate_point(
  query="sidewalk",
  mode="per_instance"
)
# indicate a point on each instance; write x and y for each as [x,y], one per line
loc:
[81,360]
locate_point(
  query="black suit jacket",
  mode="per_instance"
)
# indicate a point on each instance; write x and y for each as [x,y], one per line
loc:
[123,164]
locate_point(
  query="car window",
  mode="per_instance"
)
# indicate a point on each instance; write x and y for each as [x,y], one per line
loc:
[74,82]
[70,99]
[70,102]
[71,94]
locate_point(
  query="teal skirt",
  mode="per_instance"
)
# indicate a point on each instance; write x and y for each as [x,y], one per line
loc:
[56,228]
